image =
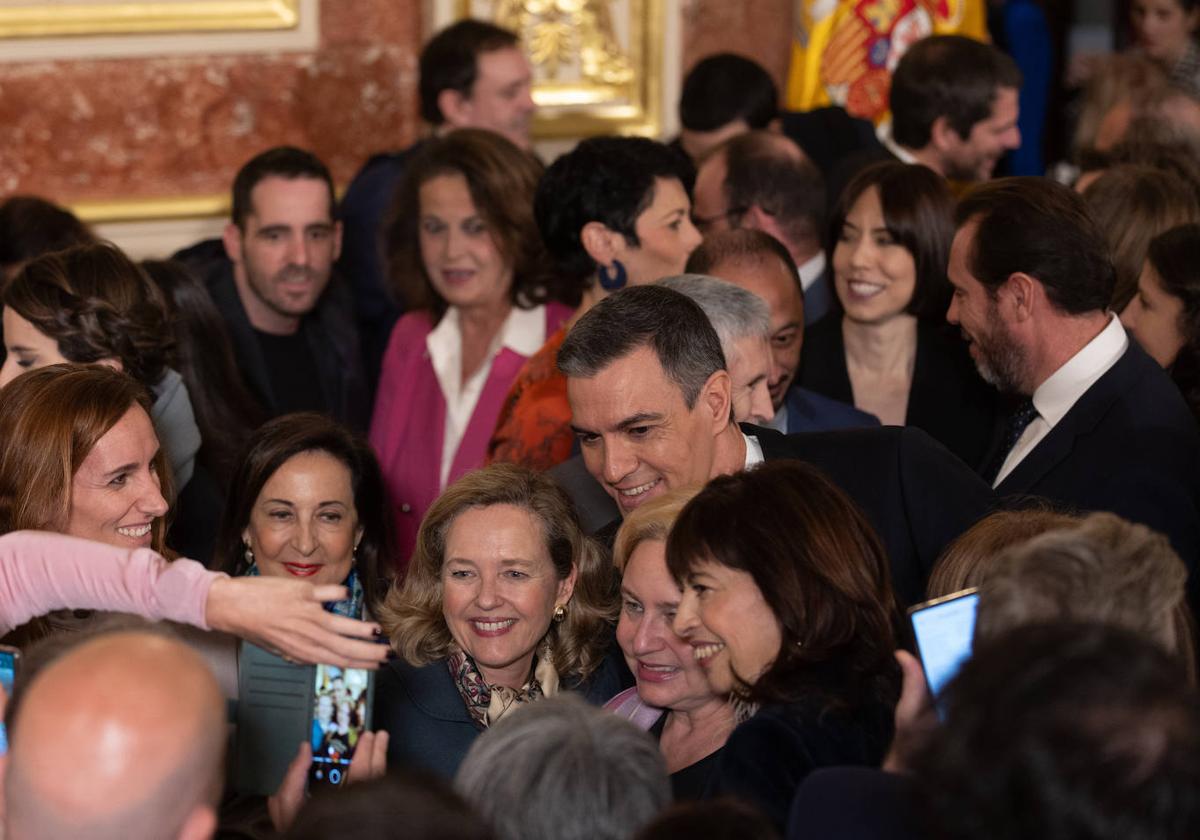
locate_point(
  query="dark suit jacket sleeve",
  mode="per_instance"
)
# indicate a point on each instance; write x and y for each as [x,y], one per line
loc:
[762,763]
[942,495]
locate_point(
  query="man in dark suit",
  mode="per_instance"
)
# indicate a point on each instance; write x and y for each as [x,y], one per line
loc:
[762,181]
[759,263]
[1101,426]
[650,399]
[472,75]
[954,109]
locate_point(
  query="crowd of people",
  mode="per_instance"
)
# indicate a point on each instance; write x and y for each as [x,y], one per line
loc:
[622,472]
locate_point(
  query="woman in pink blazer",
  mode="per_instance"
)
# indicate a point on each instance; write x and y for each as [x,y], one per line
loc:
[466,256]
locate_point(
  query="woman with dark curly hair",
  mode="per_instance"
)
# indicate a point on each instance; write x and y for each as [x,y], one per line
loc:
[465,251]
[91,303]
[614,211]
[1164,315]
[506,601]
[787,603]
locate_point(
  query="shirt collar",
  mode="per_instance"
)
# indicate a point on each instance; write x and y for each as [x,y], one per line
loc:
[812,270]
[1054,397]
[754,452]
[884,133]
[523,332]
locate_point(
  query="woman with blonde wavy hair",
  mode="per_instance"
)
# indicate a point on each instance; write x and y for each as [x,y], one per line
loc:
[505,601]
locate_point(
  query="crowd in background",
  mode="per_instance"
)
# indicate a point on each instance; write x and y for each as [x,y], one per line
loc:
[623,469]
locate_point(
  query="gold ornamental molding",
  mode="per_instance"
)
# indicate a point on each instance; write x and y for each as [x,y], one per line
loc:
[152,209]
[598,64]
[44,20]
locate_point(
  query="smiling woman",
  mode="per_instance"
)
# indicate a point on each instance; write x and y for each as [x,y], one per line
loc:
[307,501]
[787,602]
[505,602]
[469,265]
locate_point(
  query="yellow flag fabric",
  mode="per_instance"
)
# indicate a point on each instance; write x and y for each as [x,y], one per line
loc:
[846,49]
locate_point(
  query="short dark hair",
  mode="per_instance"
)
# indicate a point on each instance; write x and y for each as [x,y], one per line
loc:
[946,76]
[786,186]
[821,569]
[724,818]
[741,245]
[400,805]
[31,226]
[725,87]
[502,179]
[281,162]
[1100,739]
[1042,228]
[668,321]
[1172,255]
[268,449]
[610,180]
[918,210]
[449,61]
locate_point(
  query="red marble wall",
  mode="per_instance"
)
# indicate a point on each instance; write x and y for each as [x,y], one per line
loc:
[757,29]
[109,129]
[132,128]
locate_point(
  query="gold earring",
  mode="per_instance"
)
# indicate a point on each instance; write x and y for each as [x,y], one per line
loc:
[560,613]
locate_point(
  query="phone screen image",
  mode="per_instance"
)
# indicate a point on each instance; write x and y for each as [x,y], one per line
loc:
[8,674]
[341,713]
[944,629]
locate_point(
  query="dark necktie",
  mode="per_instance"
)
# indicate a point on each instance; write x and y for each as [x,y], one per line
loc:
[1021,417]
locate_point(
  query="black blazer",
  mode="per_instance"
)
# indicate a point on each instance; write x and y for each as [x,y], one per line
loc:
[1130,446]
[948,399]
[430,728]
[915,493]
[767,757]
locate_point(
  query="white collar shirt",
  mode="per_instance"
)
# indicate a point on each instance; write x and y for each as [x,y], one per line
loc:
[812,270]
[523,332]
[754,452]
[1055,397]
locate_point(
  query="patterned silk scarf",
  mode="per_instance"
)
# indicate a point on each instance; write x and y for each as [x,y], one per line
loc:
[488,703]
[352,607]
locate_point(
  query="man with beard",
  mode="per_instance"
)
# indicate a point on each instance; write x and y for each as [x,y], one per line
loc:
[292,330]
[954,109]
[1100,426]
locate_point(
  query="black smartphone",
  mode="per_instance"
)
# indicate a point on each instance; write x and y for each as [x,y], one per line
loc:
[10,657]
[944,628]
[342,705]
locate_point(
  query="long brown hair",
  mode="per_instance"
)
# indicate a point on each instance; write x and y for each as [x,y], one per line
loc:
[50,419]
[820,568]
[412,614]
[502,180]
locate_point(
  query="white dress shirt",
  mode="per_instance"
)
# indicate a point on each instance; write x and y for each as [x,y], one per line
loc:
[884,133]
[1054,397]
[811,271]
[754,453]
[523,332]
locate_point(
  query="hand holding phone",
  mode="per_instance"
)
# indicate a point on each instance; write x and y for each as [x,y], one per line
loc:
[341,714]
[944,629]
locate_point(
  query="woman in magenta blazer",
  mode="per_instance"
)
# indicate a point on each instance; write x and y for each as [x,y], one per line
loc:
[467,259]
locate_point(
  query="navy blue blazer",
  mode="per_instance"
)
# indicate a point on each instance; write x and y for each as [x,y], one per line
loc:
[808,411]
[1129,445]
[818,298]
[429,727]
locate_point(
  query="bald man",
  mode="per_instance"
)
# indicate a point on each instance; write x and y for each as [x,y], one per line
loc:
[123,736]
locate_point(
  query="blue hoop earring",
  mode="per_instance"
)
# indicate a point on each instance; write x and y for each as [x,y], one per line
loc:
[617,280]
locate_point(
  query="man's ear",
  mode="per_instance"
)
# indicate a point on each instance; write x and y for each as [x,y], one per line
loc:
[1020,293]
[337,239]
[456,108]
[716,399]
[232,239]
[942,136]
[757,218]
[601,242]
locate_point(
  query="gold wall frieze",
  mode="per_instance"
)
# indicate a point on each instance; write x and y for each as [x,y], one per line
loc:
[152,209]
[44,20]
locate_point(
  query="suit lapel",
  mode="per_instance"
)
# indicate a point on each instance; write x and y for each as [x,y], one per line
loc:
[1082,418]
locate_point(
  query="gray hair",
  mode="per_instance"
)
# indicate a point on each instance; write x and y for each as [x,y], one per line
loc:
[675,327]
[734,312]
[1103,570]
[559,769]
